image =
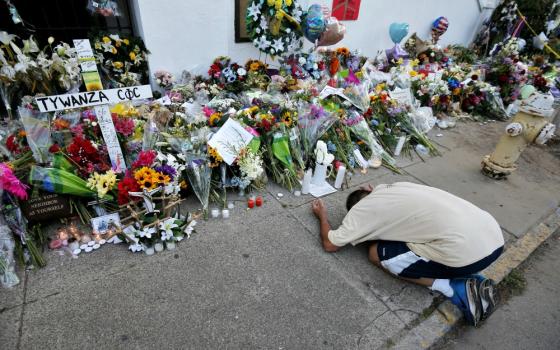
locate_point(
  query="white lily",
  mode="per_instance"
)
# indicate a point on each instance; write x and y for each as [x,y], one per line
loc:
[147,232]
[6,38]
[166,229]
[190,228]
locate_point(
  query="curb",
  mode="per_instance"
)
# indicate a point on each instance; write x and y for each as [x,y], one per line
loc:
[446,316]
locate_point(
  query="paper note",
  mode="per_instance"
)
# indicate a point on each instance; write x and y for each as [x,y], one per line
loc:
[229,140]
[321,190]
[403,96]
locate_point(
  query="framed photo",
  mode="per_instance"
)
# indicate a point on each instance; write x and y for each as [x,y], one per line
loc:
[240,22]
[102,224]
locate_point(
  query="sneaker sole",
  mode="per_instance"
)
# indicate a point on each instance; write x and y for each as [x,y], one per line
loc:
[487,293]
[474,301]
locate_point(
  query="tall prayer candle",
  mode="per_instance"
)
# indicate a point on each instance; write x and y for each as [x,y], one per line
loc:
[340,176]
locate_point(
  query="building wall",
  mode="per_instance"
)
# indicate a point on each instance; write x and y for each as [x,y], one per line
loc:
[188,34]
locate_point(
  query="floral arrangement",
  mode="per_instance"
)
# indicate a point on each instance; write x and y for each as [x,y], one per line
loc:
[124,60]
[164,79]
[273,26]
[226,74]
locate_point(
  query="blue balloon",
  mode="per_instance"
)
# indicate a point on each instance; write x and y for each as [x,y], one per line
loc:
[314,23]
[398,31]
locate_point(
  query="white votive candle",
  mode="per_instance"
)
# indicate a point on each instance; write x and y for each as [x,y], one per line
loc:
[306,181]
[340,176]
[225,213]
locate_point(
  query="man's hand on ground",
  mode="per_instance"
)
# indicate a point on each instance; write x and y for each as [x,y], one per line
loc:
[367,187]
[319,209]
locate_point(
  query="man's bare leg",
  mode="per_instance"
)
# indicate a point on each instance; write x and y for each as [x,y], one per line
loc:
[374,258]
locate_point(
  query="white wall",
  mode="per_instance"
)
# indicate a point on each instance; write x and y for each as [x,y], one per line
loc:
[188,34]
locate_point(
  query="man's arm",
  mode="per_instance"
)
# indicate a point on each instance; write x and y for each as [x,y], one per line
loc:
[321,213]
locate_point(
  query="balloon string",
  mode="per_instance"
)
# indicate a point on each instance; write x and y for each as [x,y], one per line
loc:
[535,34]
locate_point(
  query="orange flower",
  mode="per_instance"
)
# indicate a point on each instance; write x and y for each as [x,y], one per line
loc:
[61,124]
[22,133]
[343,51]
[334,66]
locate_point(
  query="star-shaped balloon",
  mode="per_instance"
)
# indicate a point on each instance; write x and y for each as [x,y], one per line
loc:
[254,11]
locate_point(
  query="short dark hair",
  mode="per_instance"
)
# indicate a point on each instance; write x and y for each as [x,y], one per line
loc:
[355,197]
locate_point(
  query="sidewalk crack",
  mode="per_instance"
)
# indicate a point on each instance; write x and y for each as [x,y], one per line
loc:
[20,327]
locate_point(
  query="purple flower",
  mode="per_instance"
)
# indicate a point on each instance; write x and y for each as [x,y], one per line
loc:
[167,170]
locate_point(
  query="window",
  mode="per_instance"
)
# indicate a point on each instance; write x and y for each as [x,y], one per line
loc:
[65,20]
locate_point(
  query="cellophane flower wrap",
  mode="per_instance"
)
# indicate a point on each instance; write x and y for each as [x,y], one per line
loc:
[313,122]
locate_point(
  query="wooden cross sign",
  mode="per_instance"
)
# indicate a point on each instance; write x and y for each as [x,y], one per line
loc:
[99,99]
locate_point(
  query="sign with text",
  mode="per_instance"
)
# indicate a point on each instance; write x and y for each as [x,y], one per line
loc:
[45,207]
[93,98]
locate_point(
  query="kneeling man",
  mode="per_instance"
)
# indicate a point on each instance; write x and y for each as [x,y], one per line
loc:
[423,235]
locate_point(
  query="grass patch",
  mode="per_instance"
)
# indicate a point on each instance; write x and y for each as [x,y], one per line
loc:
[513,284]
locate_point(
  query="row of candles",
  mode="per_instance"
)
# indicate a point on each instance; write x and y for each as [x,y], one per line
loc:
[251,203]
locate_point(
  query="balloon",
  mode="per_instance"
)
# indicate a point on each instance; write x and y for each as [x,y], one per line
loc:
[398,31]
[439,27]
[333,34]
[314,23]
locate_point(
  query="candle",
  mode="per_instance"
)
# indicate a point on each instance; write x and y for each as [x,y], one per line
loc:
[76,251]
[259,201]
[158,247]
[306,181]
[215,213]
[83,246]
[230,205]
[149,251]
[91,243]
[251,203]
[297,193]
[74,245]
[96,246]
[55,244]
[400,145]
[340,176]
[62,234]
[225,213]
[170,245]
[88,249]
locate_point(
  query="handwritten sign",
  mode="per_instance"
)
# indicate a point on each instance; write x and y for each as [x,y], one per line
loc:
[402,96]
[93,98]
[109,133]
[46,207]
[229,140]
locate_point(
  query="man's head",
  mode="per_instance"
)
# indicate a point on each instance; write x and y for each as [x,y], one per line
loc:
[355,197]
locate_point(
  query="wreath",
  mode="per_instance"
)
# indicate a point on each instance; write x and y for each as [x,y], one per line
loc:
[274,26]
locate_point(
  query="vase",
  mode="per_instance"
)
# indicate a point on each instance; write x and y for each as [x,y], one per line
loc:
[158,247]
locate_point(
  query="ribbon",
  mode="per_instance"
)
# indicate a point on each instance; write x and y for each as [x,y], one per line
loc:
[535,34]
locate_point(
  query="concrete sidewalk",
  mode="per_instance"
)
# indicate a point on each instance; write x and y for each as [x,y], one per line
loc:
[261,279]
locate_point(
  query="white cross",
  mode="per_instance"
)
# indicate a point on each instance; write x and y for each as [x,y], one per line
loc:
[100,100]
[147,197]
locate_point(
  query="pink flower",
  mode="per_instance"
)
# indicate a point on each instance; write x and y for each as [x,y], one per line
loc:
[145,159]
[124,126]
[10,183]
[208,111]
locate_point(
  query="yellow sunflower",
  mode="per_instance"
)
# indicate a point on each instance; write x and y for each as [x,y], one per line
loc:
[214,119]
[144,174]
[161,178]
